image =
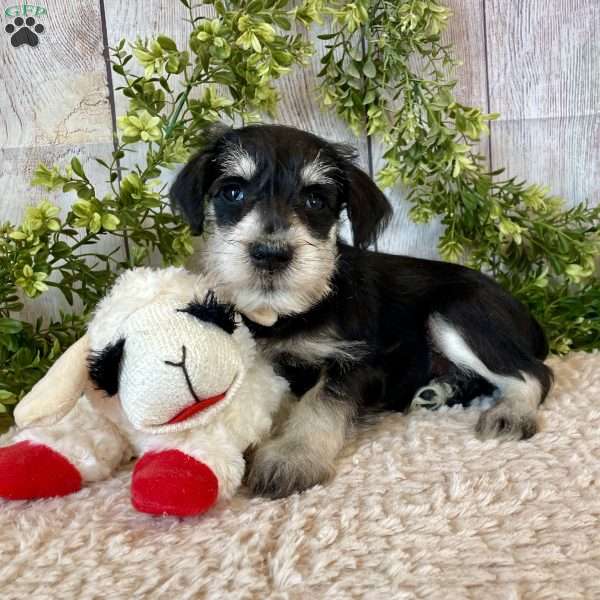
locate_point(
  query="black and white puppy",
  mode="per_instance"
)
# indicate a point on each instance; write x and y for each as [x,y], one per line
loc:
[353,330]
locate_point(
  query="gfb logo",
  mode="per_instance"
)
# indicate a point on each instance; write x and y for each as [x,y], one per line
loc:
[24,30]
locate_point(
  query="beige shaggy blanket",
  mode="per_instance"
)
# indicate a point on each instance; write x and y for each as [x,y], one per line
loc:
[419,509]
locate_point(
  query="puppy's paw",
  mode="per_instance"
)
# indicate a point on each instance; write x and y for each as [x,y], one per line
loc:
[502,421]
[434,395]
[281,467]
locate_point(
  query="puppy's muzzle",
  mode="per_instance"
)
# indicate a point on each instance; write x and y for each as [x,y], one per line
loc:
[270,256]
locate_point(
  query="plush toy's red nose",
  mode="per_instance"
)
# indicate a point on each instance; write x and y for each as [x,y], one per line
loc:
[197,407]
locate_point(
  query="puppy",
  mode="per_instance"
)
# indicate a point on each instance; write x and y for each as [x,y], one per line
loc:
[352,330]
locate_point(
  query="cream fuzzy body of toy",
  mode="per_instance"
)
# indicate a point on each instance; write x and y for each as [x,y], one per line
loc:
[165,373]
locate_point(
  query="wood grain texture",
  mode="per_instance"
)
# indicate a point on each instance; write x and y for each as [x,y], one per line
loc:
[53,105]
[56,92]
[146,19]
[466,33]
[57,110]
[545,81]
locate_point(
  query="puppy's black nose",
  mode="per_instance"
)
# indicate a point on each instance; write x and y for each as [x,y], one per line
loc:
[270,256]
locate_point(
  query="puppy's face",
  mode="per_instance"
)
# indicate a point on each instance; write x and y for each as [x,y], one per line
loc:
[269,199]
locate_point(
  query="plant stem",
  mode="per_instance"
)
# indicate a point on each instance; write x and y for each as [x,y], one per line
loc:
[180,105]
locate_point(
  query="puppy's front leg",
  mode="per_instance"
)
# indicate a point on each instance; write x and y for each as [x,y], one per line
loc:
[304,452]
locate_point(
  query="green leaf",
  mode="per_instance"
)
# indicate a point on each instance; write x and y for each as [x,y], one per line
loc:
[60,249]
[283,22]
[352,70]
[77,168]
[166,43]
[10,326]
[369,69]
[254,6]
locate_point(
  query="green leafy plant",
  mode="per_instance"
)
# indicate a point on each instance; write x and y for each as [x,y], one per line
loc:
[227,74]
[385,71]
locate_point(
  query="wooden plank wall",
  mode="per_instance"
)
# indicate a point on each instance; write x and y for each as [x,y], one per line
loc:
[534,62]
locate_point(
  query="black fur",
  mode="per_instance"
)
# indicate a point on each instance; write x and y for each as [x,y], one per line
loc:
[104,366]
[212,311]
[386,300]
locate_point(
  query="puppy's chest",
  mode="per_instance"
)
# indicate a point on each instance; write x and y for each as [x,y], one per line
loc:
[311,349]
[299,359]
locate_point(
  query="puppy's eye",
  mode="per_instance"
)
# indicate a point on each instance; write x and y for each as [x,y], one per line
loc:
[314,202]
[233,192]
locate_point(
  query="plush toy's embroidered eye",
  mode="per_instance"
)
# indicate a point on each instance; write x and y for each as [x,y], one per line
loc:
[103,366]
[212,311]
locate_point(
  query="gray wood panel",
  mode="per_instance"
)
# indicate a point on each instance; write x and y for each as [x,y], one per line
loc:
[544,72]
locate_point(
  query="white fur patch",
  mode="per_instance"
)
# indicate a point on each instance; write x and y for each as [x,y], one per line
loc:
[316,172]
[226,263]
[236,162]
[316,347]
[439,392]
[135,289]
[523,395]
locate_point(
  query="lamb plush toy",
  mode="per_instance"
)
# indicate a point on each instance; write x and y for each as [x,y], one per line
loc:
[165,372]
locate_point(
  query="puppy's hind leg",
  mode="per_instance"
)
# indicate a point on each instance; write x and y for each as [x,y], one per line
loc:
[523,380]
[455,387]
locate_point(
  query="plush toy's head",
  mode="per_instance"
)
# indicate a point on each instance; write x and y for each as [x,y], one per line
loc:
[162,341]
[173,364]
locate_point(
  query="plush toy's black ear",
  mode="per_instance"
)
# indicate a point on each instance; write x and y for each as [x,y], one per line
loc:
[104,366]
[189,189]
[212,311]
[369,211]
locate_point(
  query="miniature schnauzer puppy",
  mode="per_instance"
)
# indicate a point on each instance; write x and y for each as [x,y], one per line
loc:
[352,330]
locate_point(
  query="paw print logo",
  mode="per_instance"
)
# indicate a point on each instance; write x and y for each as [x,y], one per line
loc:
[24,32]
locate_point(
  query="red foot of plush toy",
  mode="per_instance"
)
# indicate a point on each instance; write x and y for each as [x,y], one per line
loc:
[29,471]
[172,483]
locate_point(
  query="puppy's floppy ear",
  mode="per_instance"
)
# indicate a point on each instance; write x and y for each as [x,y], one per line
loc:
[104,366]
[368,208]
[191,185]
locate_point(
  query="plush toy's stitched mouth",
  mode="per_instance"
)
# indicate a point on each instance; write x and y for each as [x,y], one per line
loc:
[195,408]
[199,404]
